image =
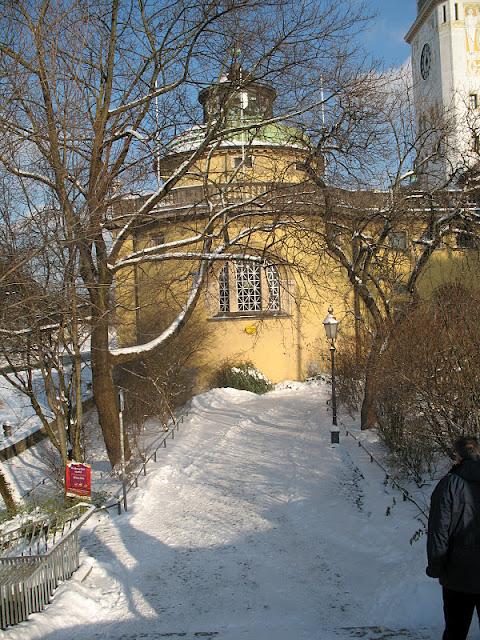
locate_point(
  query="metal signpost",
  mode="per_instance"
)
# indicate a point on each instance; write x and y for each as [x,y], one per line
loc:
[121,399]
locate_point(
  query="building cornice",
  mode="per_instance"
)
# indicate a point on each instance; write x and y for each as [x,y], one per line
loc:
[424,10]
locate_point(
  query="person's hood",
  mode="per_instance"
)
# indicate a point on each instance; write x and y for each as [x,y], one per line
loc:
[468,470]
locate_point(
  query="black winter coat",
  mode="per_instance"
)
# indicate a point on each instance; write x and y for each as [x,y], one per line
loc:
[453,543]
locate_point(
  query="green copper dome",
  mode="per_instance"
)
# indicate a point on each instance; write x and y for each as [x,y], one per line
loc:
[247,105]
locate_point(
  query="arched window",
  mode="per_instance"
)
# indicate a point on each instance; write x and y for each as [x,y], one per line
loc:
[249,288]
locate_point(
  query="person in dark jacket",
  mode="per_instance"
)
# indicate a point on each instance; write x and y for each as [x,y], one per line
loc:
[453,541]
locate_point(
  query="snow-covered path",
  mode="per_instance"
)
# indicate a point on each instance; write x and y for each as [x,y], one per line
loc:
[252,527]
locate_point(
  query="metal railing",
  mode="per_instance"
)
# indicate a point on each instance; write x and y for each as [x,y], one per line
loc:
[141,469]
[389,478]
[37,555]
[35,558]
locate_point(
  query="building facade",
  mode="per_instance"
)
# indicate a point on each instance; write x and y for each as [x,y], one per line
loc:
[266,311]
[445,52]
[269,310]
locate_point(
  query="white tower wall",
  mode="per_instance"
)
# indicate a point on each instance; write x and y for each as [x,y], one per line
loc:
[445,41]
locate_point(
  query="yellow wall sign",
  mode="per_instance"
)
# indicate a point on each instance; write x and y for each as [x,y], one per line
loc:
[251,330]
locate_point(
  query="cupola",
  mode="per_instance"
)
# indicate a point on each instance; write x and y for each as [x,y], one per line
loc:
[246,100]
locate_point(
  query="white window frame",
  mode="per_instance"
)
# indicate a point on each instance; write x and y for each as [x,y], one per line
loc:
[248,286]
[246,161]
[235,278]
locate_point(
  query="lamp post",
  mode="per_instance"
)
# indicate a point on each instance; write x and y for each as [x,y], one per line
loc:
[331,327]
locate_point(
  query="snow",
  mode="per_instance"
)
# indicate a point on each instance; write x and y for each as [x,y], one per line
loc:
[252,372]
[251,526]
[16,409]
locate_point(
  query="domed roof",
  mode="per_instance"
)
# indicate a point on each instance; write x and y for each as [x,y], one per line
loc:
[248,104]
[269,135]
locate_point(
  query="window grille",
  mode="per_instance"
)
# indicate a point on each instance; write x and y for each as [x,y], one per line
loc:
[398,240]
[224,286]
[273,282]
[249,291]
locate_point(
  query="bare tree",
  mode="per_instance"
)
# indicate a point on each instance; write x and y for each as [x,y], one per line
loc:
[384,240]
[93,91]
[41,335]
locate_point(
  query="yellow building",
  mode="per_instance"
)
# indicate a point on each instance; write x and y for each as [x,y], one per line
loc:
[250,193]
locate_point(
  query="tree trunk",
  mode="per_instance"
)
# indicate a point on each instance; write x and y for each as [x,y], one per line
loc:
[105,394]
[6,492]
[368,412]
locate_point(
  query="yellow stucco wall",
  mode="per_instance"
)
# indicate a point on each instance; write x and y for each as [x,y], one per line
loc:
[268,164]
[451,266]
[291,345]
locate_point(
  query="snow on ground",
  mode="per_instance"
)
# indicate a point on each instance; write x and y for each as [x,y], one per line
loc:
[16,408]
[251,527]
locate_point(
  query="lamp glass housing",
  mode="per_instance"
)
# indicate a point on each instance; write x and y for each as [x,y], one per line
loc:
[331,326]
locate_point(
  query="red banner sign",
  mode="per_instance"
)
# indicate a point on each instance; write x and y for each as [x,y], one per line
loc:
[78,480]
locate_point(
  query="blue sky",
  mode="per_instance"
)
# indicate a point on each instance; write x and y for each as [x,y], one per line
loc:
[385,36]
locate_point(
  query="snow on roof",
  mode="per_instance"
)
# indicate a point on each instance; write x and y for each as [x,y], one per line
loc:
[270,135]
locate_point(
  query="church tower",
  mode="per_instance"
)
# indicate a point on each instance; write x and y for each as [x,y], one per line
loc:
[445,44]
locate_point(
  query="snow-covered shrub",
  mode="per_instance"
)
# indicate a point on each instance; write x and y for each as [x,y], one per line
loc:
[243,376]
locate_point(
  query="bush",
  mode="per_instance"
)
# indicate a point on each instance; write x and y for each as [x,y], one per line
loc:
[160,382]
[427,393]
[242,376]
[404,436]
[350,375]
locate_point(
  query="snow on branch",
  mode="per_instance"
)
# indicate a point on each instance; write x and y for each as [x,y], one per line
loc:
[20,173]
[124,354]
[181,255]
[157,197]
[148,251]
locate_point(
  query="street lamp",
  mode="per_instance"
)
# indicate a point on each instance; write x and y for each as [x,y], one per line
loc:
[331,327]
